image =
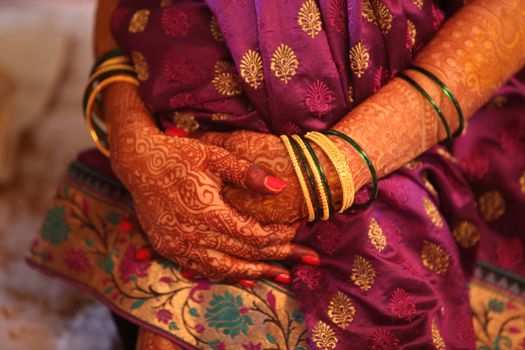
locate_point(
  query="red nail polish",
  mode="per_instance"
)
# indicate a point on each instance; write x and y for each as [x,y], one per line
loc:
[283,278]
[143,254]
[187,274]
[176,132]
[247,283]
[310,260]
[125,226]
[274,183]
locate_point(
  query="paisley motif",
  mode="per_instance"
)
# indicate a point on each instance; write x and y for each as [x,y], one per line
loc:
[251,69]
[374,11]
[411,34]
[363,273]
[341,310]
[418,3]
[402,305]
[337,15]
[284,63]
[141,66]
[437,339]
[216,30]
[309,18]
[384,340]
[350,94]
[432,212]
[376,235]
[139,21]
[220,116]
[319,98]
[434,258]
[226,81]
[359,59]
[324,336]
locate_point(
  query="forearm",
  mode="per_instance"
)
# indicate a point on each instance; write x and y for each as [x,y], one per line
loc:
[121,100]
[474,53]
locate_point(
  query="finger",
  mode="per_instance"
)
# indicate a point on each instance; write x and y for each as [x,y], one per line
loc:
[214,138]
[224,266]
[243,173]
[246,229]
[243,250]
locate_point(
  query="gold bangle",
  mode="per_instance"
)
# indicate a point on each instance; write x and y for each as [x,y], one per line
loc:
[340,163]
[300,178]
[91,101]
[107,69]
[317,177]
[113,61]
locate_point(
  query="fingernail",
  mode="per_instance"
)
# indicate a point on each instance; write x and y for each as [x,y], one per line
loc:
[187,274]
[176,132]
[274,183]
[283,278]
[143,254]
[310,260]
[247,283]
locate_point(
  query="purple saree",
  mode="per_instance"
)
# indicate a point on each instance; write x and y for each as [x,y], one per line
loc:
[392,276]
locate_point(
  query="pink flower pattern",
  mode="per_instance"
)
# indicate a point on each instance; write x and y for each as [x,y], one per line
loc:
[76,260]
[175,22]
[329,237]
[164,316]
[318,98]
[129,266]
[384,340]
[309,275]
[402,305]
[475,166]
[179,69]
[337,15]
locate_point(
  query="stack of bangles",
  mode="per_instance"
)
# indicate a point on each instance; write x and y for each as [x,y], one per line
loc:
[112,67]
[311,176]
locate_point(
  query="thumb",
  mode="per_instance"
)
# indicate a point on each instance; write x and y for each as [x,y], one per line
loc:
[243,173]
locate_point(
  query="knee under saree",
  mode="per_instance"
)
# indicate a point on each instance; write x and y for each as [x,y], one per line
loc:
[397,275]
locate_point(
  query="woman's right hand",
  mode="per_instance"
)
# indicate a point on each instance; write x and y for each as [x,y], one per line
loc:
[176,182]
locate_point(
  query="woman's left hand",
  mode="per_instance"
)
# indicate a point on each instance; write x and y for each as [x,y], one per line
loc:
[268,151]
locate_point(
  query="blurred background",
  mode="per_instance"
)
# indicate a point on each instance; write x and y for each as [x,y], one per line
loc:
[45,55]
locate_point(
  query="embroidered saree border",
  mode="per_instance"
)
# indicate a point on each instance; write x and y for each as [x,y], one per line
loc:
[89,238]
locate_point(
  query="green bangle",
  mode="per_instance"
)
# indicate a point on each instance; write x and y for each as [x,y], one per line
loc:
[309,175]
[448,93]
[321,173]
[362,153]
[430,100]
[107,56]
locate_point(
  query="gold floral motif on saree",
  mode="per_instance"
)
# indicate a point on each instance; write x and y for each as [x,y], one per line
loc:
[226,81]
[215,29]
[428,184]
[324,336]
[251,68]
[437,339]
[432,212]
[363,273]
[491,205]
[166,3]
[418,3]
[376,235]
[374,11]
[284,63]
[220,116]
[341,310]
[359,59]
[141,66]
[413,164]
[522,183]
[309,18]
[185,121]
[466,234]
[138,21]
[411,28]
[434,258]
[350,94]
[446,154]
